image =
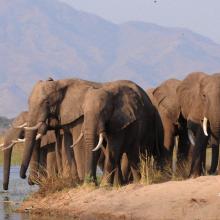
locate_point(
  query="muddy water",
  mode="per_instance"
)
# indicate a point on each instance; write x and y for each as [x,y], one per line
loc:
[18,191]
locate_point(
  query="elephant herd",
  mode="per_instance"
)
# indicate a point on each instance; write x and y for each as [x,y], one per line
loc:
[73,126]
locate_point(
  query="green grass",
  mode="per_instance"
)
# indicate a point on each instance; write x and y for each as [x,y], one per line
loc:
[16,154]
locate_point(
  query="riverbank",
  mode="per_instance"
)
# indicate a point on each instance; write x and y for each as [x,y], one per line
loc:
[190,199]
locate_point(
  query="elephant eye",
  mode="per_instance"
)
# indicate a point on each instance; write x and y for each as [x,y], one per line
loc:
[204,96]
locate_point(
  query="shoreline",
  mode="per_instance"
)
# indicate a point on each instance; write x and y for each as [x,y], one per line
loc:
[189,199]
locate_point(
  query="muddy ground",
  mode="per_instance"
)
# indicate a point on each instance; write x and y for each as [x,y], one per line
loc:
[190,199]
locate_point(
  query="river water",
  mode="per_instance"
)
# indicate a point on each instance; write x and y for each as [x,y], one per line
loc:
[18,191]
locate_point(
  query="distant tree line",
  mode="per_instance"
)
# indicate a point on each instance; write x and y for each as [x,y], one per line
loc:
[4,123]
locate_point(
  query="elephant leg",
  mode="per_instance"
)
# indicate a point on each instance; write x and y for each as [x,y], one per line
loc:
[95,158]
[79,150]
[214,143]
[43,163]
[107,178]
[169,139]
[101,161]
[198,153]
[52,169]
[58,151]
[34,164]
[125,168]
[116,146]
[134,160]
[183,150]
[68,141]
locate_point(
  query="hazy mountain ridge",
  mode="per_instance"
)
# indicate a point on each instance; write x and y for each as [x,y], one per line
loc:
[42,38]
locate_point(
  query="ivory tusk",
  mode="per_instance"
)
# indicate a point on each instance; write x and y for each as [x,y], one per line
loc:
[101,138]
[34,127]
[21,126]
[78,140]
[38,137]
[204,125]
[18,141]
[191,137]
[1,145]
[9,146]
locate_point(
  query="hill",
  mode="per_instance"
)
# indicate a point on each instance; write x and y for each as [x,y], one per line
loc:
[42,38]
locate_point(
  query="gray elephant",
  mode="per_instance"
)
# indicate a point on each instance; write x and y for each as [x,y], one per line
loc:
[123,117]
[64,100]
[47,145]
[61,99]
[198,96]
[164,98]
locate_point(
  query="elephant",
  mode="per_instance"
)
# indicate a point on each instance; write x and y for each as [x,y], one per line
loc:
[198,95]
[164,98]
[14,135]
[121,114]
[63,100]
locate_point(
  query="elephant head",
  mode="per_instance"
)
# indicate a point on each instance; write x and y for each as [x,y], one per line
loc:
[210,102]
[198,95]
[61,99]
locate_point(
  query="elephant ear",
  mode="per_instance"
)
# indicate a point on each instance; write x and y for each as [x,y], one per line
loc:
[166,98]
[125,110]
[71,104]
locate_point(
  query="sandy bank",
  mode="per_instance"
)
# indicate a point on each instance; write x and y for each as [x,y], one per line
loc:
[191,199]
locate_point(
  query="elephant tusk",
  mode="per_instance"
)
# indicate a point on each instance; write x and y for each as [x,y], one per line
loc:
[34,127]
[18,141]
[9,146]
[78,140]
[101,138]
[191,137]
[38,136]
[20,126]
[204,125]
[1,145]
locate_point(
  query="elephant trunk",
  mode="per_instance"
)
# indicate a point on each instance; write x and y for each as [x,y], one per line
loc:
[30,139]
[7,166]
[90,141]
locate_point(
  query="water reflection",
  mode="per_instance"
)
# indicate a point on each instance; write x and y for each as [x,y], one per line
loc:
[18,191]
[9,200]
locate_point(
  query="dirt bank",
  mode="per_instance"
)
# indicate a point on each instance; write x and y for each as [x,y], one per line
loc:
[191,199]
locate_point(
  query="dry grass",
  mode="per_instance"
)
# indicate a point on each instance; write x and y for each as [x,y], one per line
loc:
[52,184]
[149,175]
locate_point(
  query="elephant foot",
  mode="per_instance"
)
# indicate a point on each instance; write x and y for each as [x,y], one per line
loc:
[23,172]
[194,175]
[5,186]
[211,172]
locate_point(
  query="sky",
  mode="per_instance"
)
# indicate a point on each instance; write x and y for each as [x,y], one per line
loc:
[201,16]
